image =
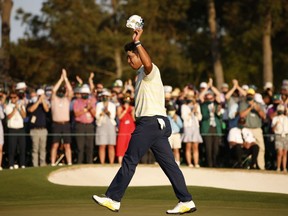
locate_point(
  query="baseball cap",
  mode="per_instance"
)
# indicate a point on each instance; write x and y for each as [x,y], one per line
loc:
[280,107]
[203,85]
[84,89]
[106,93]
[168,89]
[225,85]
[245,87]
[276,97]
[21,85]
[118,83]
[251,91]
[268,85]
[40,91]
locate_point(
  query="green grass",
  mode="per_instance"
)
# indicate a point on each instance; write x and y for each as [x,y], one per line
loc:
[27,192]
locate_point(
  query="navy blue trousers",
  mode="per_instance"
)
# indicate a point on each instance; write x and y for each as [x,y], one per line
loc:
[148,134]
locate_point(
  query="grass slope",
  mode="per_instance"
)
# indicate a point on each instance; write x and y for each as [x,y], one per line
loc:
[27,192]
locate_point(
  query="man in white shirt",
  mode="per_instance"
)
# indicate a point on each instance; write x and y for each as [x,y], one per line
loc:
[152,131]
[242,142]
[16,112]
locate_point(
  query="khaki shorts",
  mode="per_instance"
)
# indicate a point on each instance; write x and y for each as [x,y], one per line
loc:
[175,141]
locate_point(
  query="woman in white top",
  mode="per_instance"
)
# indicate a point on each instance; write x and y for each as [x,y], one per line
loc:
[280,128]
[106,128]
[191,115]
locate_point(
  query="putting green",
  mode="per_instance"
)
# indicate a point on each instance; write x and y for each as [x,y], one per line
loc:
[27,192]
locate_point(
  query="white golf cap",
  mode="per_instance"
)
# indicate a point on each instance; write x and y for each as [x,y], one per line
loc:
[268,85]
[40,91]
[106,93]
[245,87]
[280,107]
[203,85]
[168,89]
[21,85]
[118,83]
[134,22]
[84,89]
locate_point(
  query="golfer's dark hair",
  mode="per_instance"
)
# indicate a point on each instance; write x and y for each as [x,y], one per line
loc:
[130,47]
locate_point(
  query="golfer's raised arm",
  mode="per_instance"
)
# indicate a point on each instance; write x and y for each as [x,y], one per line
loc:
[144,56]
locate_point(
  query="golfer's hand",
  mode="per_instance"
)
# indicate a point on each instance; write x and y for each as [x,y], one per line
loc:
[137,34]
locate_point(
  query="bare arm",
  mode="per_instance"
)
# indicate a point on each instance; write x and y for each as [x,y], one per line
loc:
[57,85]
[202,94]
[231,91]
[68,84]
[91,83]
[144,56]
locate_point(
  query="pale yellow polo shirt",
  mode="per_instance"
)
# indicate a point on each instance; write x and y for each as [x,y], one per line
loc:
[149,93]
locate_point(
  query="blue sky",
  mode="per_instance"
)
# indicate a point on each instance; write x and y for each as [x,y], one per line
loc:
[32,6]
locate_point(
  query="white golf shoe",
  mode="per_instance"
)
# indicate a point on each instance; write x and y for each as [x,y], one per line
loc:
[182,208]
[107,202]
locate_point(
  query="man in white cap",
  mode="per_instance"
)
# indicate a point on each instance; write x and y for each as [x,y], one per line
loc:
[84,112]
[37,113]
[268,88]
[21,88]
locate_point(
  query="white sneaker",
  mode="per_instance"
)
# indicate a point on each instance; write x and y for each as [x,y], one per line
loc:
[1,168]
[16,166]
[182,208]
[107,202]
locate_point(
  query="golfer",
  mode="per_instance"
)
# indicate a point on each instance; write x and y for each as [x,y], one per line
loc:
[152,131]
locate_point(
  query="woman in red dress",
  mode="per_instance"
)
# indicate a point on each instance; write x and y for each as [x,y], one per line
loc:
[125,114]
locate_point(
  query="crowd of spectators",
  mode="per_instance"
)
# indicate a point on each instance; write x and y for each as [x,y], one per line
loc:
[69,123]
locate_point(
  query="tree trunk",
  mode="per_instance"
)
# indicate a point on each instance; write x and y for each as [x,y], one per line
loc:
[118,62]
[5,9]
[117,51]
[217,65]
[267,50]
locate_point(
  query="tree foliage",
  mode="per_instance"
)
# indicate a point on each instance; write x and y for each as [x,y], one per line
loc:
[88,35]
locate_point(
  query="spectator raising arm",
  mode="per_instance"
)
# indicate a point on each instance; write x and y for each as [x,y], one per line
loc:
[234,88]
[213,89]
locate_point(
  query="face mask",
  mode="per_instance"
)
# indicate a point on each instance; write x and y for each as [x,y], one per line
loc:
[241,126]
[171,113]
[126,102]
[280,112]
[249,98]
[21,95]
[60,94]
[104,99]
[34,99]
[85,97]
[188,101]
